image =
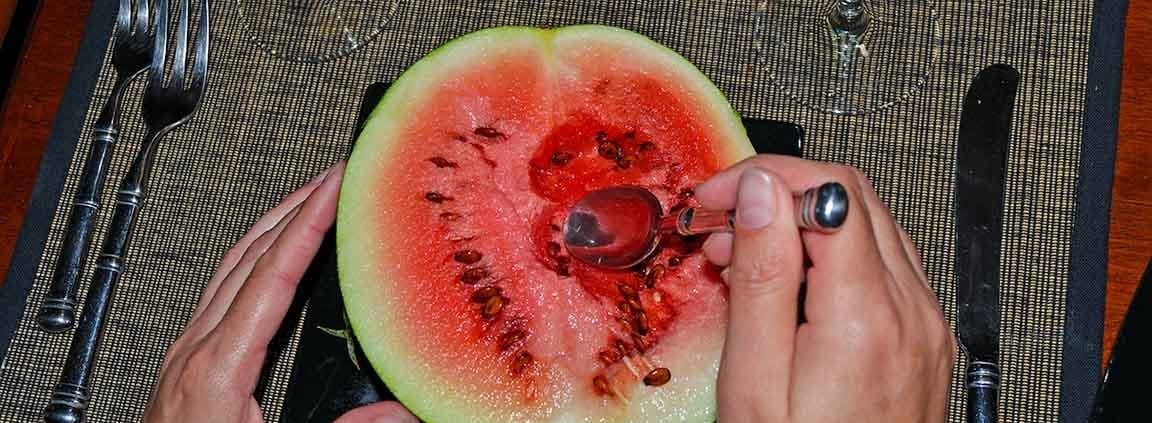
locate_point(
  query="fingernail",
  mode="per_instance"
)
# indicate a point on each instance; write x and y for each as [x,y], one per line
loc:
[724,275]
[336,168]
[332,170]
[755,200]
[321,176]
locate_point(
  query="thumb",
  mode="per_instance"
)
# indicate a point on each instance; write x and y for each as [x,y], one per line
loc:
[381,412]
[763,284]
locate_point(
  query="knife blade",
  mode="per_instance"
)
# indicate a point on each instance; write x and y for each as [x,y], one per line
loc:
[981,166]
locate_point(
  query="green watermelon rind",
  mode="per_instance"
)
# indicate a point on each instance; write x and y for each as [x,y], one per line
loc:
[367,321]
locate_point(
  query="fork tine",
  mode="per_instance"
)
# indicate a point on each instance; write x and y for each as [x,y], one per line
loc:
[159,48]
[124,19]
[141,15]
[181,56]
[200,65]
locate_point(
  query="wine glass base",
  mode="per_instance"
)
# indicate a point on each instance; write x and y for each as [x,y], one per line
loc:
[847,73]
[314,31]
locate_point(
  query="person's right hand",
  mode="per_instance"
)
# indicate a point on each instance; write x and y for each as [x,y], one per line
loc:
[874,346]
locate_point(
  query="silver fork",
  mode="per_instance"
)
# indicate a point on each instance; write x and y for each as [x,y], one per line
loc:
[166,106]
[131,54]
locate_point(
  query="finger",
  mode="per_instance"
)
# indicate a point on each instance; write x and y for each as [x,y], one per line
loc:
[381,412]
[262,225]
[231,284]
[719,192]
[718,248]
[264,298]
[930,300]
[887,232]
[913,254]
[763,282]
[849,259]
[897,250]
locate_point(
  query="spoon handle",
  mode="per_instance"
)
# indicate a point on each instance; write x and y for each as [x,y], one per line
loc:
[821,209]
[695,220]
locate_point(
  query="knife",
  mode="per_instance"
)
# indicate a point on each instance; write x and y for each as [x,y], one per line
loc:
[981,164]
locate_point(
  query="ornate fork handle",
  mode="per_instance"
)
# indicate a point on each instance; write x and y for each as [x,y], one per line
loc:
[57,311]
[70,398]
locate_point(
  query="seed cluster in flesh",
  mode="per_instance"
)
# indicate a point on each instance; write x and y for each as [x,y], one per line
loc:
[623,357]
[488,297]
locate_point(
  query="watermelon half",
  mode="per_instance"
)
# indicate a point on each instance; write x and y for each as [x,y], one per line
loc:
[454,281]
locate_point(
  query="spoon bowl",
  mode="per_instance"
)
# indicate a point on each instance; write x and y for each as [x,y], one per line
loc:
[615,227]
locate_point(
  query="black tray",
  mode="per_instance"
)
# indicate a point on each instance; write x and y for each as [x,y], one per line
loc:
[325,381]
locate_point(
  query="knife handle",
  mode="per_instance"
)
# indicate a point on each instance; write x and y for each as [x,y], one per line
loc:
[983,391]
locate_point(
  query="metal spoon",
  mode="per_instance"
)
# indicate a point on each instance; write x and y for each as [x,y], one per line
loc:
[618,227]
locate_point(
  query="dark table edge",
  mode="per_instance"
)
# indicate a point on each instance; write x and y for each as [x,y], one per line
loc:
[1086,295]
[1088,273]
[53,169]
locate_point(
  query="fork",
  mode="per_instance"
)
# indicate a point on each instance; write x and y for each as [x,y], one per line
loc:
[131,55]
[165,107]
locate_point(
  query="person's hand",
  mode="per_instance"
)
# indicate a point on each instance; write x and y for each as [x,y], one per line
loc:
[874,346]
[211,371]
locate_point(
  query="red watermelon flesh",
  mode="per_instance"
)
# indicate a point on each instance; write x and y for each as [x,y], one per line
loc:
[454,279]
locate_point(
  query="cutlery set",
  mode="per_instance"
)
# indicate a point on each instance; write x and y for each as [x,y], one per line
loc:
[982,152]
[166,105]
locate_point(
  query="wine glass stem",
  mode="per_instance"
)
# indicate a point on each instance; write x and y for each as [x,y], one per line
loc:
[849,17]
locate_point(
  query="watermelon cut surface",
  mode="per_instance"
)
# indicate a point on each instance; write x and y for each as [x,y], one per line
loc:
[452,275]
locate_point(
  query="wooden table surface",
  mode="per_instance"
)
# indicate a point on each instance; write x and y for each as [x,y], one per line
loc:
[40,80]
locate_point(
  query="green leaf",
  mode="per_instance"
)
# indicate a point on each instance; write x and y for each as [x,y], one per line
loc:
[349,342]
[339,333]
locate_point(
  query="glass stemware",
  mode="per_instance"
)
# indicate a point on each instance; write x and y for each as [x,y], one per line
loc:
[314,31]
[848,57]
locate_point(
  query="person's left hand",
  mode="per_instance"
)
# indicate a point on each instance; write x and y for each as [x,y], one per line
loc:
[211,371]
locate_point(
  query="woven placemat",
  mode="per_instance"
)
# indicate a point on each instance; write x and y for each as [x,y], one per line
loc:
[268,125]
